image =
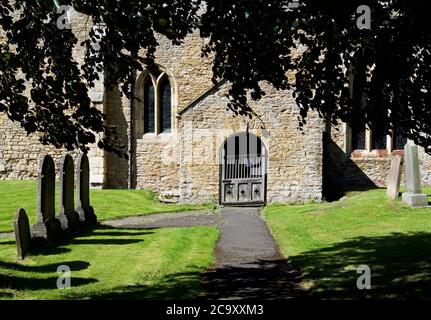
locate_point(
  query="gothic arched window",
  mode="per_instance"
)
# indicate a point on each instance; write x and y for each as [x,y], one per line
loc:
[153,111]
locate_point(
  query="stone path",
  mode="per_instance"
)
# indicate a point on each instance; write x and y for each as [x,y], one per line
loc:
[167,220]
[244,239]
[248,263]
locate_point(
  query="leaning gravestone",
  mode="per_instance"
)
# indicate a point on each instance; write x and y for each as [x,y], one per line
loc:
[414,196]
[69,219]
[394,178]
[22,233]
[47,226]
[85,211]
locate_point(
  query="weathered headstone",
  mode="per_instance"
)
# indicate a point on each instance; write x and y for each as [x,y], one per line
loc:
[47,226]
[22,233]
[68,217]
[394,178]
[414,196]
[85,211]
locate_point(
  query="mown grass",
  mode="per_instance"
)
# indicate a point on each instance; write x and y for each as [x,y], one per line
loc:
[112,263]
[108,204]
[328,241]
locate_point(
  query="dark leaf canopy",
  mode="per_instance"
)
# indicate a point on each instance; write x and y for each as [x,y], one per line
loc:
[378,76]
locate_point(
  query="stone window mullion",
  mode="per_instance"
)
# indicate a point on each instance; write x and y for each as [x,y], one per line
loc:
[141,111]
[389,141]
[157,108]
[148,104]
[347,139]
[172,109]
[368,139]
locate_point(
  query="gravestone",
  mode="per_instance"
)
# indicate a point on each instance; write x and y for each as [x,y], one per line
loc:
[47,226]
[414,196]
[22,233]
[394,178]
[69,219]
[84,209]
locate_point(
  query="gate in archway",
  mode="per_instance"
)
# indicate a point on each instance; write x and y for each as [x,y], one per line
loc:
[243,170]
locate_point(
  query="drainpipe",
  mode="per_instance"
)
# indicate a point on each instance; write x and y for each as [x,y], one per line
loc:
[131,140]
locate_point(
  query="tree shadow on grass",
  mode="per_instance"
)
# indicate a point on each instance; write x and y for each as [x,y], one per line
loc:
[6,295]
[120,230]
[28,282]
[4,243]
[119,234]
[400,267]
[31,283]
[183,285]
[263,280]
[103,229]
[48,251]
[52,267]
[105,241]
[92,237]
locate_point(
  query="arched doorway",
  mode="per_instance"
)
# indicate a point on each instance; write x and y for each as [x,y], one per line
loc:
[243,170]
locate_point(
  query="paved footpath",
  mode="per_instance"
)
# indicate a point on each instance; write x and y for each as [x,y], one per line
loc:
[248,263]
[167,220]
[244,239]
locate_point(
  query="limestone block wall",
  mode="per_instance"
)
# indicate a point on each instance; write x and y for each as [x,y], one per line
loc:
[157,156]
[192,73]
[20,153]
[363,169]
[295,157]
[425,167]
[157,163]
[117,112]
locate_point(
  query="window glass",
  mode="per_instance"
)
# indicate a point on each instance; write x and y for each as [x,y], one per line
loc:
[378,139]
[149,106]
[399,139]
[165,105]
[358,138]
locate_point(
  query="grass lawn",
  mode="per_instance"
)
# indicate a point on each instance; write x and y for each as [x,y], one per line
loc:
[108,204]
[329,241]
[113,263]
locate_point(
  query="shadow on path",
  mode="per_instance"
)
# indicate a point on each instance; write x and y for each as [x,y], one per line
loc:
[248,263]
[264,279]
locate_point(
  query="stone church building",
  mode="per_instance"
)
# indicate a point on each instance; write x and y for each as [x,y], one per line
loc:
[186,145]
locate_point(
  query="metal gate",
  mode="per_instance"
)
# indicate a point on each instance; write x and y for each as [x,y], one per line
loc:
[243,174]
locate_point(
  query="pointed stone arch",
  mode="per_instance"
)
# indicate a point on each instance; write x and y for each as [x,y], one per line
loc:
[163,100]
[243,170]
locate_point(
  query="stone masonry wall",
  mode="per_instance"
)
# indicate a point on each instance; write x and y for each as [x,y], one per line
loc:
[190,76]
[116,168]
[185,162]
[19,153]
[363,169]
[295,158]
[157,156]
